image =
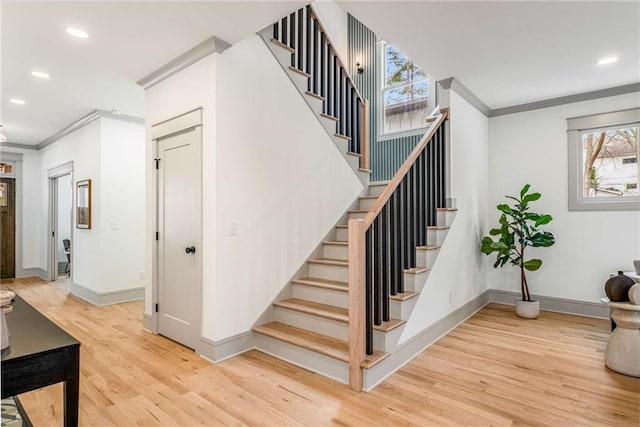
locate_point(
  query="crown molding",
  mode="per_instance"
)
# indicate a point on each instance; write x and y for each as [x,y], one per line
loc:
[16,145]
[193,55]
[455,85]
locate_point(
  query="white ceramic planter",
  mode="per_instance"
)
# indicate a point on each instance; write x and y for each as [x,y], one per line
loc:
[527,309]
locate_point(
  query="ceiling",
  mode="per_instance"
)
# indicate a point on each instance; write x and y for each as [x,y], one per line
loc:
[128,40]
[511,53]
[506,53]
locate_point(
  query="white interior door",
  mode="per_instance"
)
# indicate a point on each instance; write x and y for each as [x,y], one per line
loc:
[180,234]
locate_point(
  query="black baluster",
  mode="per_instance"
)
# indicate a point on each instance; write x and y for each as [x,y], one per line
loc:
[368,292]
[276,34]
[309,53]
[385,262]
[399,243]
[322,72]
[412,217]
[393,231]
[301,44]
[314,74]
[285,29]
[292,37]
[340,103]
[377,256]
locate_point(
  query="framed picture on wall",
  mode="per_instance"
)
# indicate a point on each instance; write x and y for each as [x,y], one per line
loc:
[83,204]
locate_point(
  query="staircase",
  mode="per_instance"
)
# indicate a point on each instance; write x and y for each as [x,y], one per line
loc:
[310,329]
[343,314]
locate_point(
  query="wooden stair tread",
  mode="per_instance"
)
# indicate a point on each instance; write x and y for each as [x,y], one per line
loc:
[318,282]
[437,227]
[416,270]
[335,243]
[365,170]
[447,209]
[428,247]
[328,346]
[339,135]
[368,197]
[329,261]
[315,95]
[390,325]
[330,117]
[359,211]
[403,296]
[299,71]
[342,226]
[282,45]
[351,153]
[379,183]
[315,308]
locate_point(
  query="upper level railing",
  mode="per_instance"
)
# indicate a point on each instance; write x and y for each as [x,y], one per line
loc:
[315,54]
[382,246]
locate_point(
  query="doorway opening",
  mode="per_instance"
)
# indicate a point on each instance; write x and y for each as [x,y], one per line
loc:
[60,233]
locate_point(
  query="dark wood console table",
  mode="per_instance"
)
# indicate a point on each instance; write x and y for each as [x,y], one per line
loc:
[41,354]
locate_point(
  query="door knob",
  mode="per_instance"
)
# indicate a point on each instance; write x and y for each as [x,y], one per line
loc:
[191,250]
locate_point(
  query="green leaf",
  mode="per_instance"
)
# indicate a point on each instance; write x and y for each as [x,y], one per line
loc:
[544,219]
[505,208]
[532,264]
[524,190]
[531,197]
[495,231]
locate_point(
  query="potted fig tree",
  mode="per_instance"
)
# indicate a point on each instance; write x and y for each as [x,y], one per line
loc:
[519,228]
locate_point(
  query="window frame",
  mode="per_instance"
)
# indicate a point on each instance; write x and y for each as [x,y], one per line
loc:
[576,127]
[381,87]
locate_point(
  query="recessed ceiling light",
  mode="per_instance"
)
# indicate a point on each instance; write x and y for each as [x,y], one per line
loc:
[17,101]
[78,33]
[40,74]
[608,60]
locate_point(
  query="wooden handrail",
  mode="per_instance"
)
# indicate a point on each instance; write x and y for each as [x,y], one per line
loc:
[364,131]
[330,43]
[404,169]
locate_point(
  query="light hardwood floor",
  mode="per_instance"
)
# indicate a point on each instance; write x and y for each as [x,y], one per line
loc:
[495,369]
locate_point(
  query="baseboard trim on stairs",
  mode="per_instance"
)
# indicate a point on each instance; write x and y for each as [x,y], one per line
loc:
[559,305]
[217,351]
[106,298]
[419,343]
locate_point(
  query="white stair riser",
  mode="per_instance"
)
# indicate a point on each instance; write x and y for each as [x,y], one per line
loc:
[436,237]
[314,103]
[402,309]
[321,295]
[282,54]
[331,272]
[445,218]
[342,234]
[383,341]
[330,126]
[298,79]
[366,204]
[415,282]
[307,359]
[354,161]
[335,251]
[357,215]
[426,258]
[376,190]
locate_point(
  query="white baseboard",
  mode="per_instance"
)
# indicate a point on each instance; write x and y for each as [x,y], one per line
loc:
[30,272]
[147,323]
[106,298]
[416,345]
[217,351]
[560,305]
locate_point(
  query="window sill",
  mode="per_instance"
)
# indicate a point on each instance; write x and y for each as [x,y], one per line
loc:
[402,134]
[605,204]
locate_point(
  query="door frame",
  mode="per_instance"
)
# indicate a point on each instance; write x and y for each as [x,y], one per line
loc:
[52,218]
[16,159]
[167,128]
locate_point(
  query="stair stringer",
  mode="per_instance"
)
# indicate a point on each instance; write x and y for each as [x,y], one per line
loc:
[283,56]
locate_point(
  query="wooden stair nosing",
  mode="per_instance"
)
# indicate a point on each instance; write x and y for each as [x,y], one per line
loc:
[328,346]
[428,247]
[447,209]
[317,282]
[331,312]
[315,95]
[359,211]
[339,135]
[368,197]
[282,45]
[379,183]
[299,71]
[330,117]
[416,270]
[365,170]
[438,227]
[404,296]
[351,153]
[335,243]
[329,261]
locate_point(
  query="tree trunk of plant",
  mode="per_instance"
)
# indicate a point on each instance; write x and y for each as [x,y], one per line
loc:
[593,151]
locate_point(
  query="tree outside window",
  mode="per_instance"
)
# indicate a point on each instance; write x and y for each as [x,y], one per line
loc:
[405,92]
[610,162]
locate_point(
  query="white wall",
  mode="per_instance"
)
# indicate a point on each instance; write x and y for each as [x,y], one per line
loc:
[335,21]
[531,147]
[459,270]
[122,219]
[191,88]
[279,175]
[83,148]
[65,208]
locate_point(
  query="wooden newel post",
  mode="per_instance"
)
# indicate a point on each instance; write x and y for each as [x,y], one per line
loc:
[357,265]
[364,123]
